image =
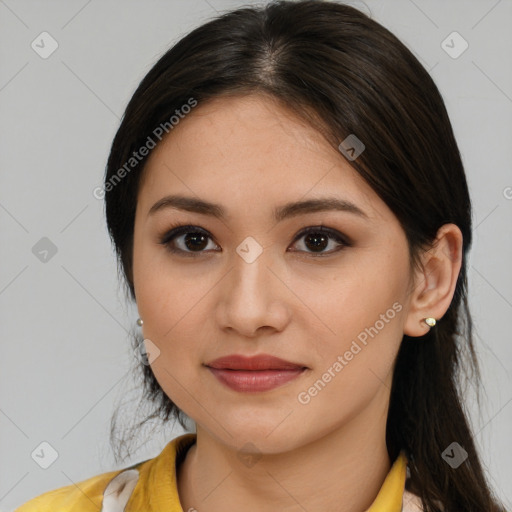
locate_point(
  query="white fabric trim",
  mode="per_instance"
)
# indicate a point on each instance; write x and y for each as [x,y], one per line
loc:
[118,491]
[411,502]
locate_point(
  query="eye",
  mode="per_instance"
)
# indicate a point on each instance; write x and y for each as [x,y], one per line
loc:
[192,240]
[189,239]
[318,238]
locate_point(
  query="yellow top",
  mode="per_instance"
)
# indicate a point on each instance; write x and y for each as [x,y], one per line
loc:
[149,486]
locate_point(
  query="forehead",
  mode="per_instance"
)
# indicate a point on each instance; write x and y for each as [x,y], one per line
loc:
[250,148]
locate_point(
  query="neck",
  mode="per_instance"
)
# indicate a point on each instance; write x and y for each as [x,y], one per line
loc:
[342,470]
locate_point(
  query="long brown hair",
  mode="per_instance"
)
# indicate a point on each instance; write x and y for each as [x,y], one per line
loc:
[344,74]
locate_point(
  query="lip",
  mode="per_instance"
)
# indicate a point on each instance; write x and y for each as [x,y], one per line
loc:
[254,374]
[259,362]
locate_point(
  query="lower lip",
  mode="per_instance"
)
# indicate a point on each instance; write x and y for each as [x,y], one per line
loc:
[254,381]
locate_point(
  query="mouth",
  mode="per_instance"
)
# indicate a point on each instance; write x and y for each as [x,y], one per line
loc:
[254,363]
[254,374]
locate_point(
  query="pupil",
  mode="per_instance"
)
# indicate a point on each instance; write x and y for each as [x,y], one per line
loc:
[194,238]
[316,240]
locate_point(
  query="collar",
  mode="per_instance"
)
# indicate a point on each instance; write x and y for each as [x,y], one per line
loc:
[391,493]
[157,488]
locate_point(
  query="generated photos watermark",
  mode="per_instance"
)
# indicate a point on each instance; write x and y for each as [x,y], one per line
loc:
[143,151]
[304,397]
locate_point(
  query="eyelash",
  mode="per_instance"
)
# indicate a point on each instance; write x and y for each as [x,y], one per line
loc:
[181,229]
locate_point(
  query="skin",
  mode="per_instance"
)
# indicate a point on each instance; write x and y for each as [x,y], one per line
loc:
[250,155]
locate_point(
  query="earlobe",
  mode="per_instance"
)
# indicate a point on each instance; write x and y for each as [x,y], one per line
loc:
[435,283]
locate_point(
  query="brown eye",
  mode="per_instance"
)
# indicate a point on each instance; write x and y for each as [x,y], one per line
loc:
[194,241]
[186,240]
[317,239]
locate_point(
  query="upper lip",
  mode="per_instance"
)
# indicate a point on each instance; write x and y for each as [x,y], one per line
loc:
[259,362]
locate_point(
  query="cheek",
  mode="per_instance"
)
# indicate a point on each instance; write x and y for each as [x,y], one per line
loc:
[173,302]
[174,308]
[352,296]
[361,314]
[166,292]
[355,365]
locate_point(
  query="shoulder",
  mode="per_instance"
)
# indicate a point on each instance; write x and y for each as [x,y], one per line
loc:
[150,481]
[83,496]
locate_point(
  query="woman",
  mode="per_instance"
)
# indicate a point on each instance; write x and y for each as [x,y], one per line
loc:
[291,214]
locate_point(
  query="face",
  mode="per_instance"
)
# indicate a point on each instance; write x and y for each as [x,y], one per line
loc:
[323,287]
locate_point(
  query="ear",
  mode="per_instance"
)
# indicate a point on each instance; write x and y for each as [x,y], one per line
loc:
[434,284]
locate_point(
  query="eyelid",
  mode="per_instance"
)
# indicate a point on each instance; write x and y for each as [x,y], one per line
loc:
[178,229]
[333,233]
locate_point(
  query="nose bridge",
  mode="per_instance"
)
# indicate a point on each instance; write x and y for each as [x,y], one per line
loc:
[250,274]
[252,298]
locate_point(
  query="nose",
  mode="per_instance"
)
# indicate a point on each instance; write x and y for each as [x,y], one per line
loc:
[254,297]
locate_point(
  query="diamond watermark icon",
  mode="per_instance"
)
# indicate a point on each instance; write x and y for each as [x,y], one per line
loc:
[44,45]
[454,455]
[44,455]
[351,147]
[249,459]
[44,250]
[454,45]
[249,250]
[146,352]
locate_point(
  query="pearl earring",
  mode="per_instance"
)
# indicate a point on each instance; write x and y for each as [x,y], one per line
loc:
[430,321]
[139,321]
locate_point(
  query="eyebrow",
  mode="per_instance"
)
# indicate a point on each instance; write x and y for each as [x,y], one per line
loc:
[191,204]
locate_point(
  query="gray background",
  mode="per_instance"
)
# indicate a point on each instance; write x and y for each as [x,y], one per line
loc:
[65,360]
